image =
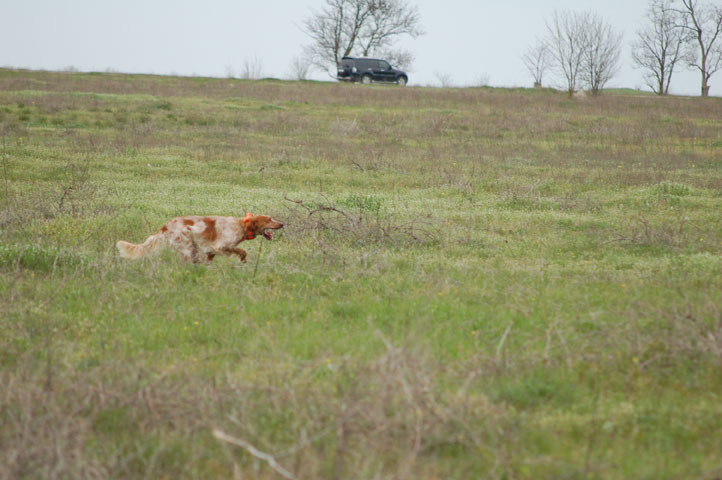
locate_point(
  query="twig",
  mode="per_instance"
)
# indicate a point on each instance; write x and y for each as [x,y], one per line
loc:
[359,166]
[255,269]
[298,202]
[332,209]
[253,451]
[391,351]
[503,339]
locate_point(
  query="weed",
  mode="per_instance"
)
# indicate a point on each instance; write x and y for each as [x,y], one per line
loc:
[37,257]
[675,189]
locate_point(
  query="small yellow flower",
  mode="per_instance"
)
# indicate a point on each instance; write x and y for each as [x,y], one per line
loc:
[195,323]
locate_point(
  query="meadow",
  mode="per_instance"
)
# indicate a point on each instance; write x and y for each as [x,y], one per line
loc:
[471,283]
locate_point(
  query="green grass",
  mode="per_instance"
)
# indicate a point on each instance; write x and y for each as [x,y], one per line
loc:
[476,283]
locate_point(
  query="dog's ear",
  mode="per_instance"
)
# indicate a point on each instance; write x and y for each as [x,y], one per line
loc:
[254,224]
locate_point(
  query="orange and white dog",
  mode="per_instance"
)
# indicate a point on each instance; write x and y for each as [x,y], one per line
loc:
[200,239]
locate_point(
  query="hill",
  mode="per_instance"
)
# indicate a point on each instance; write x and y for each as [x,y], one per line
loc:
[471,283]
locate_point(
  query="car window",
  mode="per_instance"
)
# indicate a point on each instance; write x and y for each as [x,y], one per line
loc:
[363,64]
[384,65]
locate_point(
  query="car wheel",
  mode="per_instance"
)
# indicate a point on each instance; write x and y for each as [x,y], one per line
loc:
[401,81]
[366,79]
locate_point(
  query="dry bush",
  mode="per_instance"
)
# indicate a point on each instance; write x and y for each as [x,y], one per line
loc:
[252,68]
[692,331]
[344,128]
[300,68]
[435,125]
[54,418]
[444,79]
[44,426]
[640,230]
[531,197]
[73,194]
[361,220]
[390,408]
[669,336]
[120,420]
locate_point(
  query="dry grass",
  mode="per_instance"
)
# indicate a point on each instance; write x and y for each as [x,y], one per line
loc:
[471,283]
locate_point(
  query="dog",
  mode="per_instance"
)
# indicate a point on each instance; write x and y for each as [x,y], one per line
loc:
[200,239]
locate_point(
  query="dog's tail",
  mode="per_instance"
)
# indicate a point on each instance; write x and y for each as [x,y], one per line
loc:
[133,251]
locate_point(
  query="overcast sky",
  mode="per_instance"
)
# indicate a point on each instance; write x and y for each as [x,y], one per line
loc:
[468,40]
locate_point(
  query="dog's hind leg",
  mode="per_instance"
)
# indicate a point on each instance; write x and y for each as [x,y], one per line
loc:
[182,242]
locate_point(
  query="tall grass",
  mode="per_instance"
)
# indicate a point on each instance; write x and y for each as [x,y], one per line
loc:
[471,283]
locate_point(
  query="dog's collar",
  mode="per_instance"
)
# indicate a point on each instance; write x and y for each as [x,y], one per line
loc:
[249,235]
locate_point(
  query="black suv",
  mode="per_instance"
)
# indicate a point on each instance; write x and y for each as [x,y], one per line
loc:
[367,70]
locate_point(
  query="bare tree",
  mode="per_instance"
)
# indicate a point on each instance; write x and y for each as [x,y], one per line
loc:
[389,20]
[359,27]
[565,37]
[703,27]
[601,52]
[299,69]
[334,30]
[658,47]
[397,57]
[252,68]
[584,48]
[481,80]
[444,78]
[537,60]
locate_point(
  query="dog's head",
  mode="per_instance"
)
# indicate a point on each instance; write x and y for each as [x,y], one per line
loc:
[260,225]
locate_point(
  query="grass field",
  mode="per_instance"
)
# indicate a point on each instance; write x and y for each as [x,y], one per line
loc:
[471,283]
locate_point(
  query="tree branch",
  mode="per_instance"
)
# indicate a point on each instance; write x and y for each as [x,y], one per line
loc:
[255,452]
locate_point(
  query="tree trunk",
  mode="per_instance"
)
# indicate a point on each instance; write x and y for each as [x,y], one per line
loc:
[705,89]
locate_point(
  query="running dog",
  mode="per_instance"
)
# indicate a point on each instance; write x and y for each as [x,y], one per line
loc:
[200,239]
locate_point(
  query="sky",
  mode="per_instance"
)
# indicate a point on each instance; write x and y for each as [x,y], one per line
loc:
[467,42]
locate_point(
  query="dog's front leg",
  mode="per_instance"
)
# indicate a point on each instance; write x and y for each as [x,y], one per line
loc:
[230,251]
[241,253]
